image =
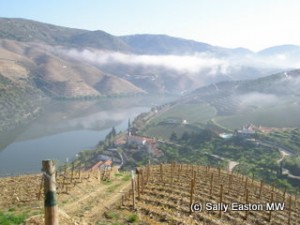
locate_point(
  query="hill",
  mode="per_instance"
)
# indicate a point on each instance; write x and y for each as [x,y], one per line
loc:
[279,50]
[167,45]
[31,72]
[163,195]
[67,63]
[24,30]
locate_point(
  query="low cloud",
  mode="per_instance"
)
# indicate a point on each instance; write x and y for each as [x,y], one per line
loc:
[256,98]
[186,64]
[198,63]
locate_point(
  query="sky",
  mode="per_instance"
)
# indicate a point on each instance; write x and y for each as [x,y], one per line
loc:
[253,24]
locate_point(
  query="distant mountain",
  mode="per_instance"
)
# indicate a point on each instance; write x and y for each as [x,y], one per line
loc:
[58,62]
[280,49]
[275,96]
[31,31]
[99,39]
[165,45]
[284,84]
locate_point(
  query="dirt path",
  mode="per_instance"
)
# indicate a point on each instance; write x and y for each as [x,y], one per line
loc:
[89,201]
[231,163]
[94,215]
[86,202]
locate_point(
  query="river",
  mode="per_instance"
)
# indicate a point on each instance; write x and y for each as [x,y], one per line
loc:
[65,128]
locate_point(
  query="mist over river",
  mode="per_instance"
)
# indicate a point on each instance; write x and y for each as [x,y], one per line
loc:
[67,127]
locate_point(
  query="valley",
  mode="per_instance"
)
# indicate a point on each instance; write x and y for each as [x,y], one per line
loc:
[196,122]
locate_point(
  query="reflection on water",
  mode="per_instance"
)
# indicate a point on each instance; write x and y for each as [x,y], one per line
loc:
[65,128]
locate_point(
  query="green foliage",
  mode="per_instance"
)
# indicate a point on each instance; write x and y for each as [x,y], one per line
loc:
[126,177]
[289,139]
[18,103]
[293,165]
[111,215]
[11,219]
[173,136]
[133,218]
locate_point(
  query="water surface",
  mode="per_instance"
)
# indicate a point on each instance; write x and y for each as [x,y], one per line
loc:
[65,128]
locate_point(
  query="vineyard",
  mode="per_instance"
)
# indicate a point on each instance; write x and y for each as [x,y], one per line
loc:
[166,192]
[81,194]
[159,194]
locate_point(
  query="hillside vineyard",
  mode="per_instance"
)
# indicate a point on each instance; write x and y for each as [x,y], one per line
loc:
[166,192]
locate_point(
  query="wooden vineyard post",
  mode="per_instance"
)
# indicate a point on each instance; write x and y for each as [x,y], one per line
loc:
[246,186]
[142,181]
[138,183]
[148,173]
[221,199]
[72,172]
[99,175]
[270,213]
[178,171]
[247,201]
[260,188]
[211,184]
[161,172]
[51,210]
[123,200]
[41,188]
[172,171]
[284,193]
[79,173]
[191,194]
[133,189]
[229,182]
[219,172]
[290,209]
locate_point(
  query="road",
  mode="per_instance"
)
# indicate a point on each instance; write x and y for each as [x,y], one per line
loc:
[284,152]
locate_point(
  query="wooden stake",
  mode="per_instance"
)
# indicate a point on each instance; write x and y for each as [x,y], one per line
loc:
[161,172]
[246,201]
[211,183]
[133,189]
[172,170]
[72,173]
[261,188]
[99,175]
[79,173]
[290,209]
[142,179]
[138,183]
[191,194]
[229,183]
[51,210]
[123,200]
[221,199]
[270,213]
[194,184]
[41,187]
[246,185]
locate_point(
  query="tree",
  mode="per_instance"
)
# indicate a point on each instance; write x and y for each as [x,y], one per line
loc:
[185,136]
[173,136]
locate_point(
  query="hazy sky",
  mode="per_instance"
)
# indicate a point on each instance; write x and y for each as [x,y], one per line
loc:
[254,24]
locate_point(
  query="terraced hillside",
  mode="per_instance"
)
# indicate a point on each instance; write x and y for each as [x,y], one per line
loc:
[165,193]
[82,196]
